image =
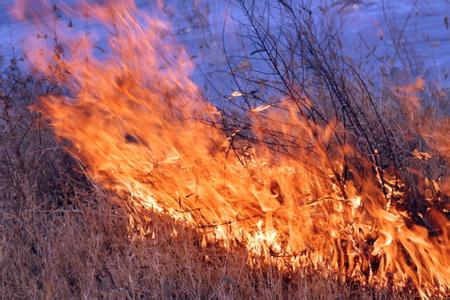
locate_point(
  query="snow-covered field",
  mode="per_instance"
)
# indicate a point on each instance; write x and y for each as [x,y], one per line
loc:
[368,27]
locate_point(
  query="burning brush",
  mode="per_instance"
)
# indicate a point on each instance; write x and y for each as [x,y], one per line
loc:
[286,186]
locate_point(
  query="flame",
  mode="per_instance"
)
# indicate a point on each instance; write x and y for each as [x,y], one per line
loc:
[143,129]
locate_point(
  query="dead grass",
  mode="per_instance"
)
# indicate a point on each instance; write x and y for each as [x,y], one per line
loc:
[81,248]
[64,237]
[85,252]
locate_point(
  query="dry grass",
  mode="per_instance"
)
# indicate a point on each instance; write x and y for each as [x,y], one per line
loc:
[64,237]
[85,252]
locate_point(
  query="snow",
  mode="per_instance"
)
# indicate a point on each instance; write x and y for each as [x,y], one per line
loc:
[364,24]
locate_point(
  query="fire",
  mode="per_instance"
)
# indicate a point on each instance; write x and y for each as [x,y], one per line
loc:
[143,129]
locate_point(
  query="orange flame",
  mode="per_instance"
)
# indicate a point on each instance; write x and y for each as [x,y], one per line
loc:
[141,126]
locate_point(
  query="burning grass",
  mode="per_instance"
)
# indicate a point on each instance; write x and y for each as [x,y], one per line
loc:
[64,237]
[261,202]
[83,250]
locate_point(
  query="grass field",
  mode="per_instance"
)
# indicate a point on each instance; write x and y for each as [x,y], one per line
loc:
[118,179]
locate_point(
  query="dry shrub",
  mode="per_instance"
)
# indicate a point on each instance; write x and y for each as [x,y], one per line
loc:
[399,125]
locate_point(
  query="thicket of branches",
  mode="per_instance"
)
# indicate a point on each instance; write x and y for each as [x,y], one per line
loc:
[297,56]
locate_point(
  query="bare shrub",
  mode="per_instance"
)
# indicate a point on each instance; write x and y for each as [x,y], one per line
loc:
[298,56]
